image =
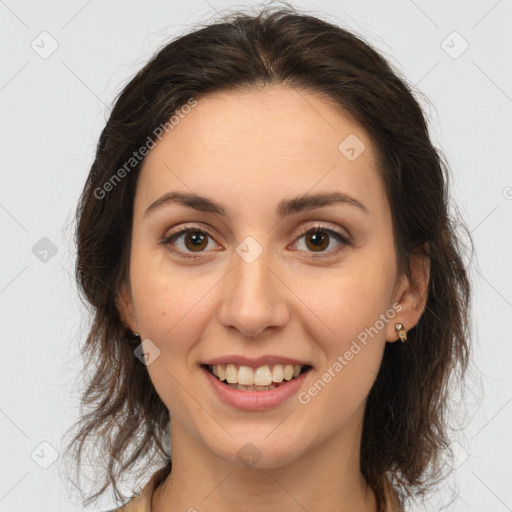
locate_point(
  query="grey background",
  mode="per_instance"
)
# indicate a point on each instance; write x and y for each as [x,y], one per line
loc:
[53,108]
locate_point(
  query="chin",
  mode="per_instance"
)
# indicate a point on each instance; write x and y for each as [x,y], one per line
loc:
[257,452]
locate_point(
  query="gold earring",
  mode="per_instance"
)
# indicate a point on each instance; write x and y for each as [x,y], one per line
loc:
[402,332]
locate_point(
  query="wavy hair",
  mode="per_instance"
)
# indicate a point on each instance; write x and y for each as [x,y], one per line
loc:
[405,425]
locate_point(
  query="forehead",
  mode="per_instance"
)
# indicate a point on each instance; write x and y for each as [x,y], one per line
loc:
[259,144]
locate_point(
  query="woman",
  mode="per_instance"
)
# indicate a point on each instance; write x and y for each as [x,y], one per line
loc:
[265,218]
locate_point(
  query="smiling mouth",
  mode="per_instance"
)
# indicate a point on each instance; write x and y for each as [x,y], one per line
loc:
[264,378]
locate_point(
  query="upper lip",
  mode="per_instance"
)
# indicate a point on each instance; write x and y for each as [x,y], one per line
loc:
[255,363]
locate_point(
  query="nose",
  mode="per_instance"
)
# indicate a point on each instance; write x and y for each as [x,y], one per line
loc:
[254,297]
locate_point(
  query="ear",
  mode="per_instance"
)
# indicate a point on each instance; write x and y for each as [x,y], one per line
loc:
[124,304]
[411,295]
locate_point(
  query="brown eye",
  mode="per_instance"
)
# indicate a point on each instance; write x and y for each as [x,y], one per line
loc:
[187,242]
[196,240]
[317,240]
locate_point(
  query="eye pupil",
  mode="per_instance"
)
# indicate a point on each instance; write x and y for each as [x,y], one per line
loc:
[318,239]
[197,238]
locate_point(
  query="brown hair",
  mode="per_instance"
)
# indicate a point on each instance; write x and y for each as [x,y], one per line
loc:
[405,427]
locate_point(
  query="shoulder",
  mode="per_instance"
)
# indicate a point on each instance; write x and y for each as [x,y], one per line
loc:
[392,504]
[141,502]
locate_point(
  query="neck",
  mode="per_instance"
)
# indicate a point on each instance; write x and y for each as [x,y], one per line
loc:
[324,477]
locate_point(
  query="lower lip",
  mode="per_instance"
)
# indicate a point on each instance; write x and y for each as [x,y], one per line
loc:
[255,400]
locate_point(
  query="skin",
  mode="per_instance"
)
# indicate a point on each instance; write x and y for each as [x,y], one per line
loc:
[249,150]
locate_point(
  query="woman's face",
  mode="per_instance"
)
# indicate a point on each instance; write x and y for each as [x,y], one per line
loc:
[273,278]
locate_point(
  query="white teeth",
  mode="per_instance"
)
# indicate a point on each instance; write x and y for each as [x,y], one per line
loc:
[288,372]
[245,376]
[231,374]
[277,373]
[263,376]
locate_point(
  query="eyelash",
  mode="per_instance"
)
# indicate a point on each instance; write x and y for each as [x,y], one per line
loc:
[167,241]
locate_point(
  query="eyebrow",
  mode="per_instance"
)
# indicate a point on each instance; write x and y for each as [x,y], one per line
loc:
[285,207]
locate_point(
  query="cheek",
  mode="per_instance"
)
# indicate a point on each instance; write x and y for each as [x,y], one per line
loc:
[349,301]
[171,313]
[166,298]
[352,307]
